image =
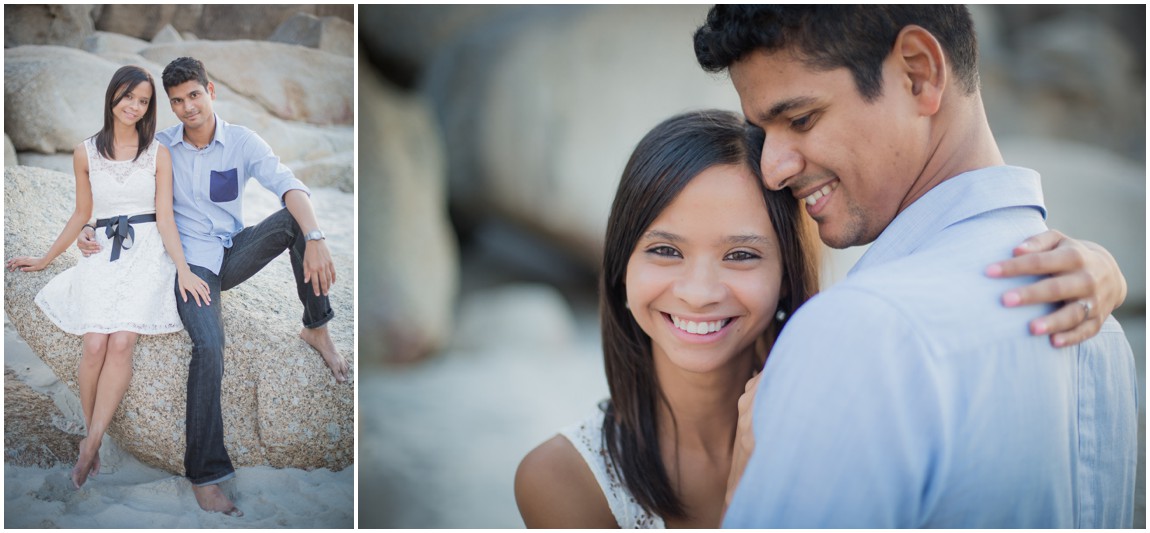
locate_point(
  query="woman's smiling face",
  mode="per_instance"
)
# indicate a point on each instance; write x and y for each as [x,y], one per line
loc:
[703,281]
[134,104]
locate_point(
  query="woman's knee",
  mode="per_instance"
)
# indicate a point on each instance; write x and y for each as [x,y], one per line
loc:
[121,344]
[94,346]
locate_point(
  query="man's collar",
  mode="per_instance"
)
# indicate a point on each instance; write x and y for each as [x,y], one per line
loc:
[956,199]
[221,133]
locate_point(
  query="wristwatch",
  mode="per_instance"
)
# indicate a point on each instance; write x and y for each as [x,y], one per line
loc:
[314,235]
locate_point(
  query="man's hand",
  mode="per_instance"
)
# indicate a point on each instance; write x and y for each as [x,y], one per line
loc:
[744,439]
[86,242]
[318,268]
[1083,275]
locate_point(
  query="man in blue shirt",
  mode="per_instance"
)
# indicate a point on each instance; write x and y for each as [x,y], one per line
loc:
[904,396]
[211,162]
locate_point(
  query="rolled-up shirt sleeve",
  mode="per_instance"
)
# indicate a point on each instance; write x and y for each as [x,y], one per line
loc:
[266,168]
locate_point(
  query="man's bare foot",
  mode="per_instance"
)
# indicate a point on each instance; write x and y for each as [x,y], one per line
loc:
[320,339]
[212,499]
[86,463]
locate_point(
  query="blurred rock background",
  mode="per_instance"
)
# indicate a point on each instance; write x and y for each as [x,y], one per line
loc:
[491,143]
[287,73]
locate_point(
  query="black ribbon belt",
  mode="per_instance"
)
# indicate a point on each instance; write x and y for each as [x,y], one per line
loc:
[120,228]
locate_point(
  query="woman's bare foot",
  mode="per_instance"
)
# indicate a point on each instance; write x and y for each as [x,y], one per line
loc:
[86,463]
[212,499]
[320,339]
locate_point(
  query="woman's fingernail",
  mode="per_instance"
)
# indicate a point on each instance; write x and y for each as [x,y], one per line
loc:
[1011,299]
[1039,327]
[994,270]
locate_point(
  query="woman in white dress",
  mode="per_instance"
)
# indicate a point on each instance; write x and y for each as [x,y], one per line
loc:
[701,268]
[124,181]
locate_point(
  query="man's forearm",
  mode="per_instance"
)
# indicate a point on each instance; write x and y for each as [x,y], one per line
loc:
[298,203]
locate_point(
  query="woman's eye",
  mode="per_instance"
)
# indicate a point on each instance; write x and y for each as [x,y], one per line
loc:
[741,255]
[664,251]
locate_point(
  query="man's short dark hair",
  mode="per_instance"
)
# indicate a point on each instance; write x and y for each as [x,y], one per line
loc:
[828,37]
[182,70]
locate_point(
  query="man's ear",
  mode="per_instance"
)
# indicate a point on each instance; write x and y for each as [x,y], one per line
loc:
[924,66]
[211,90]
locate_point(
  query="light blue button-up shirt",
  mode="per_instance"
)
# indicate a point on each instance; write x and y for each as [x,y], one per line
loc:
[908,396]
[208,187]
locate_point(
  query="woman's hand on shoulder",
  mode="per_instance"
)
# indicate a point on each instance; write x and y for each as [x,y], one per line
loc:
[27,264]
[1083,276]
[555,488]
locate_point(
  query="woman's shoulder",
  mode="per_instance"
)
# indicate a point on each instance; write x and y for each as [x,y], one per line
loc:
[555,487]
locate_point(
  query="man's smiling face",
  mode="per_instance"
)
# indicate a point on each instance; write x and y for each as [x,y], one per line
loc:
[850,161]
[192,103]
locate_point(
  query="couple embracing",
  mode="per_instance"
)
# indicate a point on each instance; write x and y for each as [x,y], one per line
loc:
[158,220]
[909,395]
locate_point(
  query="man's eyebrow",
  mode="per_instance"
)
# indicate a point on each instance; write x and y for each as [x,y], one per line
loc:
[786,105]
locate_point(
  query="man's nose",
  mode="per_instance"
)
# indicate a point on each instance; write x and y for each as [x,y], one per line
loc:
[779,162]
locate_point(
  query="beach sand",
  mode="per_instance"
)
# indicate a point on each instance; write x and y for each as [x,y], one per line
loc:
[129,494]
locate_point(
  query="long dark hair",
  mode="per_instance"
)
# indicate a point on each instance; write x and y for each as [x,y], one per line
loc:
[123,81]
[667,158]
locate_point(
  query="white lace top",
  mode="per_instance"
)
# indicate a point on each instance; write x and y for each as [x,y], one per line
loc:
[587,437]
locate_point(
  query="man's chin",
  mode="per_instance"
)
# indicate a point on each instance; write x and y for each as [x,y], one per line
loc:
[836,237]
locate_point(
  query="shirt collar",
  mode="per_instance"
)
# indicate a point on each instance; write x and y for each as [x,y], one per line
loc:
[221,134]
[964,196]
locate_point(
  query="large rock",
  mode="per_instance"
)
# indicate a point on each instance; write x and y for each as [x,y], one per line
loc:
[293,83]
[1047,84]
[209,21]
[407,247]
[517,315]
[30,435]
[61,162]
[142,21]
[330,34]
[407,38]
[542,114]
[103,42]
[53,96]
[9,152]
[167,34]
[282,407]
[63,25]
[334,171]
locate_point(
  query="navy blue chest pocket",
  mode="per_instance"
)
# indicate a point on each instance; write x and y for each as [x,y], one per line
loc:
[225,185]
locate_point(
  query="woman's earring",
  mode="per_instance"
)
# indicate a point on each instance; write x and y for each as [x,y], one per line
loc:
[627,304]
[781,315]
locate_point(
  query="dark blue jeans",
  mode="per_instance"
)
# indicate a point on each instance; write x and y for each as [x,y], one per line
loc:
[206,460]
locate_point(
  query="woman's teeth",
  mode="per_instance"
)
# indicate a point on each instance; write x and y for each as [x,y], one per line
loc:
[699,328]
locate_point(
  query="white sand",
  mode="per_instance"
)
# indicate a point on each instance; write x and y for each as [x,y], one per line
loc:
[129,494]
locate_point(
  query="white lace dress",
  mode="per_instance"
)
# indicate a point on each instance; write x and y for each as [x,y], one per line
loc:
[136,292]
[587,437]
